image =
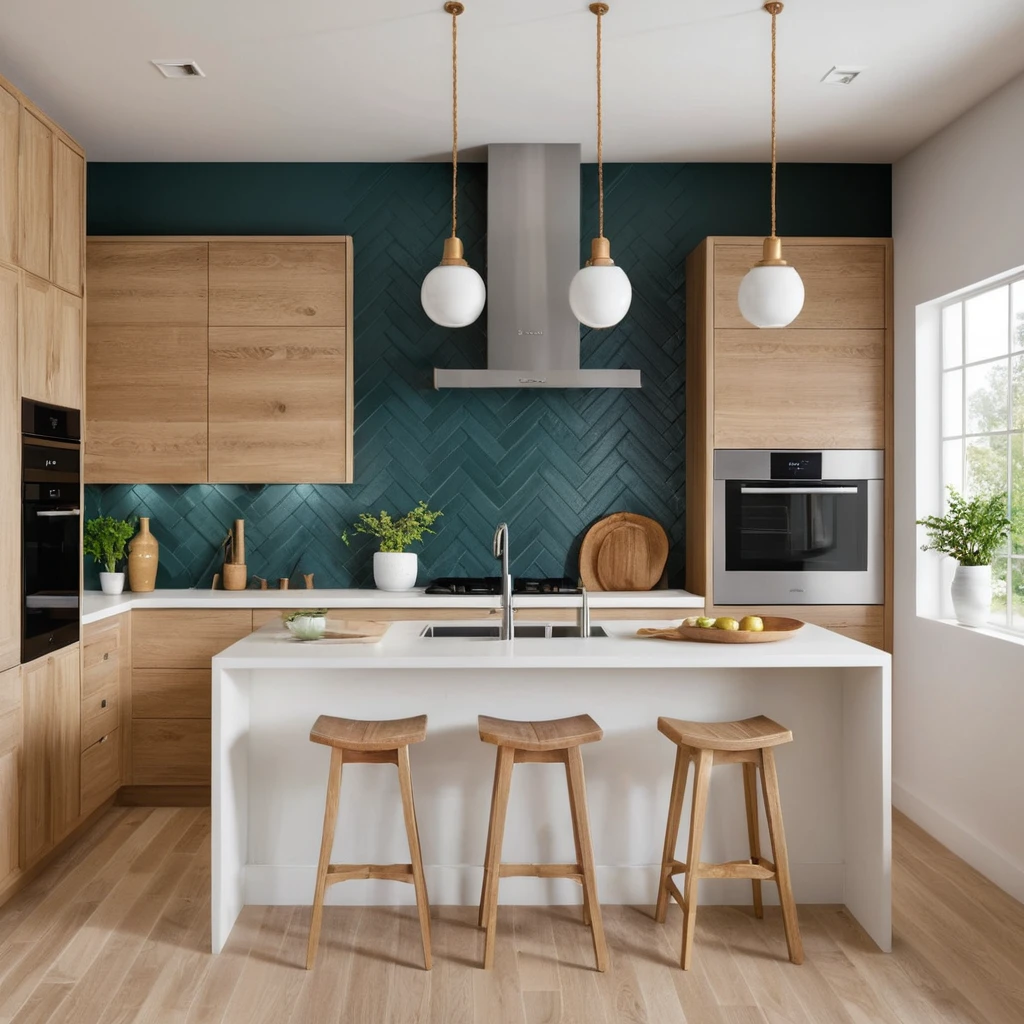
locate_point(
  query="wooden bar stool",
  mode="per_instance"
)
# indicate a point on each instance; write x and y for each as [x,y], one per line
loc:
[750,743]
[374,742]
[551,742]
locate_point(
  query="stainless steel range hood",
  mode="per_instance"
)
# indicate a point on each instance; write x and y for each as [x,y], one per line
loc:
[533,251]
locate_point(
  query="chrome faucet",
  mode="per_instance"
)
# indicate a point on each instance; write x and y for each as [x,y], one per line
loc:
[501,551]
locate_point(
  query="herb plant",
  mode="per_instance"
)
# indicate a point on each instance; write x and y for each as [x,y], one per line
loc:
[104,538]
[971,531]
[395,535]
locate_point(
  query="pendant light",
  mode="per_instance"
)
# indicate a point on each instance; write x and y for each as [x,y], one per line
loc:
[453,293]
[600,292]
[772,294]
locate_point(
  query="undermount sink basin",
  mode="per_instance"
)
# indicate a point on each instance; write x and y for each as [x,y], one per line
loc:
[540,630]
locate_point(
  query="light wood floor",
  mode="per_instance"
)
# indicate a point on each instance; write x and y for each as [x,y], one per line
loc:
[118,930]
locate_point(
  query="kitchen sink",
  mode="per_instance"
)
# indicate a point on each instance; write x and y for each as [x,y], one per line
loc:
[540,630]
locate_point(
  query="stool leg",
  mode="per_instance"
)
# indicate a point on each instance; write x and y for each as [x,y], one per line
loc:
[499,805]
[326,844]
[582,828]
[419,882]
[487,848]
[576,841]
[675,812]
[701,784]
[773,807]
[753,829]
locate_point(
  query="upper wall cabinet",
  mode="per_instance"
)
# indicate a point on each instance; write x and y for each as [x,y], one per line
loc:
[10,472]
[50,360]
[36,195]
[67,257]
[10,127]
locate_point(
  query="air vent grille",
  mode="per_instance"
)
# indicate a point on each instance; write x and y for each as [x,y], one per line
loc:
[178,68]
[842,76]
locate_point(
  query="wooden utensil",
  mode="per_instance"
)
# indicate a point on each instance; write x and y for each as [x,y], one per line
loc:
[623,550]
[776,627]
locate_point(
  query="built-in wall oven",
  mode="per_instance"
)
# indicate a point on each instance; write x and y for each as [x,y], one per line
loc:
[51,549]
[798,527]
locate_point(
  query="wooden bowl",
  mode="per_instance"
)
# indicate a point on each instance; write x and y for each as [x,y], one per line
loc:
[776,627]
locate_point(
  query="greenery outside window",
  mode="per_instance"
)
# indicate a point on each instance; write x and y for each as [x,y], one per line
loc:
[983,421]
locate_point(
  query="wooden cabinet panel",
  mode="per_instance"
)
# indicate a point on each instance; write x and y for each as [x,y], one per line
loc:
[171,693]
[65,680]
[100,771]
[146,387]
[278,405]
[147,283]
[51,344]
[100,714]
[799,389]
[101,656]
[277,284]
[185,638]
[68,217]
[65,380]
[10,772]
[171,751]
[10,472]
[36,827]
[10,118]
[106,670]
[845,284]
[35,194]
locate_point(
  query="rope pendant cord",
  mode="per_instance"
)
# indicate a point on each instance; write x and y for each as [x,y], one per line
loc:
[774,15]
[455,120]
[600,138]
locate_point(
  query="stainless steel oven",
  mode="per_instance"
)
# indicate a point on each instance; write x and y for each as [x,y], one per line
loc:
[51,546]
[798,527]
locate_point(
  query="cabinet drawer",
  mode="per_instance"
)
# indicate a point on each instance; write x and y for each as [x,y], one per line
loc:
[99,714]
[101,770]
[171,752]
[101,656]
[185,638]
[171,693]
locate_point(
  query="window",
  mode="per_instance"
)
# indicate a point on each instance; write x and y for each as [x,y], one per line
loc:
[983,421]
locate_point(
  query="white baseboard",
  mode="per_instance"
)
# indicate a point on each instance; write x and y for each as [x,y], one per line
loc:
[994,864]
[459,885]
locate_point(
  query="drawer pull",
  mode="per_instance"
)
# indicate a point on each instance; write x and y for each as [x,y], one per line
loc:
[102,739]
[106,655]
[103,703]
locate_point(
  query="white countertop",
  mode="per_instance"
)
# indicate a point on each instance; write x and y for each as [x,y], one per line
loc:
[402,647]
[96,606]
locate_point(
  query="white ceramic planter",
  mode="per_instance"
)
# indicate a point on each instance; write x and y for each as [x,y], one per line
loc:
[307,627]
[112,582]
[395,570]
[972,594]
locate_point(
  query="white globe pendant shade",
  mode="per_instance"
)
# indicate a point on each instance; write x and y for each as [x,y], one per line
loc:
[600,296]
[453,296]
[771,296]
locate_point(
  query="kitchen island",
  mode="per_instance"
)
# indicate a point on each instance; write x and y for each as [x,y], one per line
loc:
[269,781]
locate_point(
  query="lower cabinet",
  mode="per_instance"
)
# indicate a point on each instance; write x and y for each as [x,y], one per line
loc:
[106,674]
[10,772]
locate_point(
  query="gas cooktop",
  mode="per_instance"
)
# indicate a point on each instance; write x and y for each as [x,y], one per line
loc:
[488,585]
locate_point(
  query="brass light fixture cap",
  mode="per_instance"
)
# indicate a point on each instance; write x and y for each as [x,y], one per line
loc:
[454,7]
[600,253]
[598,9]
[771,255]
[453,253]
[773,8]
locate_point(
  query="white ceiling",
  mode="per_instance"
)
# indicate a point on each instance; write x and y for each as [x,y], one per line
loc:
[311,80]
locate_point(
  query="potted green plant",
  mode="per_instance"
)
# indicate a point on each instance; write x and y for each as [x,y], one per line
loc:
[104,538]
[971,531]
[394,568]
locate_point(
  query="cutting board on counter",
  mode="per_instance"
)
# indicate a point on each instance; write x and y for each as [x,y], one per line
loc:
[351,631]
[623,551]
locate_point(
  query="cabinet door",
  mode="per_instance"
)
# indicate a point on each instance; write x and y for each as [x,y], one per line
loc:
[278,284]
[36,822]
[278,409]
[65,740]
[68,217]
[10,115]
[146,404]
[10,479]
[36,195]
[10,771]
[51,344]
[171,752]
[799,389]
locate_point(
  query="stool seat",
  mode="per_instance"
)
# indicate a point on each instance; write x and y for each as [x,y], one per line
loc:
[356,734]
[555,734]
[748,734]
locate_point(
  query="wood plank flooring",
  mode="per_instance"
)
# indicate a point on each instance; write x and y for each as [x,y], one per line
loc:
[117,931]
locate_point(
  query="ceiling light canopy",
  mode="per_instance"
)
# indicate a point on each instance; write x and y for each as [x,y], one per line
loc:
[600,293]
[453,293]
[771,294]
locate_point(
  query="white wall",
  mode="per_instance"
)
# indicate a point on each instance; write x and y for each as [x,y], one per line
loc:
[958,731]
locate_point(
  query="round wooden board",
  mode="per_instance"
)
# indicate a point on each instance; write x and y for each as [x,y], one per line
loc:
[624,559]
[776,627]
[593,541]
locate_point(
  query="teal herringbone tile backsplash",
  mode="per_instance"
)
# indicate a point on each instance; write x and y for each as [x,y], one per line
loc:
[548,462]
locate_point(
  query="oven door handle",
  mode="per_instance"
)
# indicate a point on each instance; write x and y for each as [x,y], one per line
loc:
[798,490]
[54,513]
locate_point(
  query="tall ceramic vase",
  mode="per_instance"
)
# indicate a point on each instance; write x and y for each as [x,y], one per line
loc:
[143,558]
[972,594]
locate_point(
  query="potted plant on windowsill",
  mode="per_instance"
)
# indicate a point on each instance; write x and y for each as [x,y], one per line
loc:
[104,538]
[971,532]
[394,568]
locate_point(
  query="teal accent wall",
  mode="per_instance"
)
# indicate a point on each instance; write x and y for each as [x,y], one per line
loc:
[548,462]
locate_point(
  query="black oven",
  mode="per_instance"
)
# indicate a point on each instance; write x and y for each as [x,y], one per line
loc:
[51,531]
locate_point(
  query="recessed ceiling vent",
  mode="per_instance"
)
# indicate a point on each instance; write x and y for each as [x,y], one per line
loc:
[178,68]
[841,76]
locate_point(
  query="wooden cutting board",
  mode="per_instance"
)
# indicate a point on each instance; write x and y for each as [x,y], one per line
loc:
[350,631]
[623,551]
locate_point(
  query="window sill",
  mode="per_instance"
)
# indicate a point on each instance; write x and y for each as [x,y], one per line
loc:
[993,631]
